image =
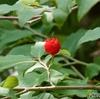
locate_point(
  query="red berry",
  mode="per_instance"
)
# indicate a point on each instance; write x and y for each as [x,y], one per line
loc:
[52,46]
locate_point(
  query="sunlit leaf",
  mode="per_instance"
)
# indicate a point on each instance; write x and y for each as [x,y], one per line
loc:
[37,65]
[47,18]
[10,82]
[38,49]
[63,51]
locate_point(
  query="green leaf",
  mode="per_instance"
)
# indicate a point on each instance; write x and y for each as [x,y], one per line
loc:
[28,80]
[43,1]
[38,49]
[6,24]
[27,95]
[97,60]
[66,98]
[56,76]
[44,96]
[7,92]
[41,78]
[64,5]
[65,52]
[59,16]
[14,60]
[37,65]
[90,35]
[71,41]
[4,8]
[46,29]
[92,70]
[84,6]
[28,13]
[21,50]
[47,59]
[47,18]
[30,2]
[74,82]
[10,82]
[11,36]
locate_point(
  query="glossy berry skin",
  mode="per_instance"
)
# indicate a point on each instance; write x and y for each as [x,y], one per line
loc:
[52,46]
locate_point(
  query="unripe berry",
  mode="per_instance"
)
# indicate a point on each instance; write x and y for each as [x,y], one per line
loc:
[52,46]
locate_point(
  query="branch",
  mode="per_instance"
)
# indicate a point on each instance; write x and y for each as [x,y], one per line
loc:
[74,8]
[47,70]
[75,60]
[77,72]
[35,32]
[24,89]
[57,88]
[34,19]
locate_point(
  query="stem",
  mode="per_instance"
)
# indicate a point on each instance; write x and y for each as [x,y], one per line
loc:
[75,60]
[51,62]
[69,64]
[34,20]
[77,72]
[35,32]
[44,65]
[47,69]
[48,73]
[58,88]
[23,89]
[74,8]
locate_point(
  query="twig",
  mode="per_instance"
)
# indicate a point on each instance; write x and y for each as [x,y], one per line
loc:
[75,60]
[47,69]
[48,72]
[44,65]
[24,90]
[57,88]
[37,17]
[77,72]
[34,20]
[15,17]
[35,32]
[69,64]
[8,18]
[74,8]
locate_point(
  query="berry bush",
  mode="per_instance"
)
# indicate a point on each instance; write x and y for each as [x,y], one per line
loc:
[49,49]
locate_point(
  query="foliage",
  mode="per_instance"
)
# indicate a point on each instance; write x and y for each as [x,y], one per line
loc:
[27,71]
